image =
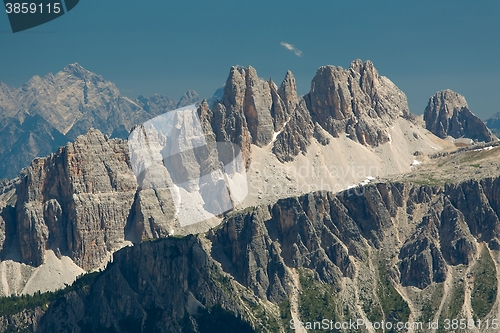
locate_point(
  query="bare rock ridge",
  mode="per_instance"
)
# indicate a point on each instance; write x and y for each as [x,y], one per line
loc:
[447,114]
[344,241]
[357,101]
[84,201]
[47,112]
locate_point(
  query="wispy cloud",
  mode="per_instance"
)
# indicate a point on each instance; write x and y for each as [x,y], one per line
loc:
[292,48]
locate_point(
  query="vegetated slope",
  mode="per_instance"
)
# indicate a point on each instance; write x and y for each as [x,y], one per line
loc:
[393,251]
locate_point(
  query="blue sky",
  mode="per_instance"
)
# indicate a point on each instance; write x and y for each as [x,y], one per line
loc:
[168,47]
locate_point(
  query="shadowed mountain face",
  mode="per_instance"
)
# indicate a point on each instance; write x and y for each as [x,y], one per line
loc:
[448,114]
[385,252]
[34,136]
[57,108]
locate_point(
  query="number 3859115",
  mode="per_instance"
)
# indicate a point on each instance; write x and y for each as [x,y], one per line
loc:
[33,8]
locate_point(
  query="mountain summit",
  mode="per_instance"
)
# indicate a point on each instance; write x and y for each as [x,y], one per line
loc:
[49,111]
[447,114]
[357,101]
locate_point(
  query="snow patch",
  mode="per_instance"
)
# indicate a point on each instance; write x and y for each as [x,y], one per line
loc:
[485,148]
[362,183]
[275,135]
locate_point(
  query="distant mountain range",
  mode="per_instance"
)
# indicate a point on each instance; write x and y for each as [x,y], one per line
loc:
[493,123]
[46,113]
[356,209]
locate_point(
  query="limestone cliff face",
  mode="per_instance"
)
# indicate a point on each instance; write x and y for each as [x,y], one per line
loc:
[85,202]
[296,134]
[357,101]
[243,116]
[367,244]
[252,109]
[331,233]
[76,201]
[447,114]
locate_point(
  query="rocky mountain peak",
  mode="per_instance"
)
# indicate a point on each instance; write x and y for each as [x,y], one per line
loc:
[235,86]
[357,65]
[77,70]
[446,101]
[248,96]
[47,112]
[357,101]
[189,97]
[288,90]
[447,114]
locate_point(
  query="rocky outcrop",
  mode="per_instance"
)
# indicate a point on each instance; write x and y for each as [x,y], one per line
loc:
[356,101]
[85,201]
[255,111]
[24,321]
[447,114]
[76,202]
[296,134]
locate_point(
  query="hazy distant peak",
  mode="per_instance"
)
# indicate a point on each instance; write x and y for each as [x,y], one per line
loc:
[74,67]
[189,97]
[79,72]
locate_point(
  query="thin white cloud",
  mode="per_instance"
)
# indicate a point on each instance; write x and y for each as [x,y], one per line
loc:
[292,48]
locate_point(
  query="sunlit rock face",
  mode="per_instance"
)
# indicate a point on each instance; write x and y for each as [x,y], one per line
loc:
[447,114]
